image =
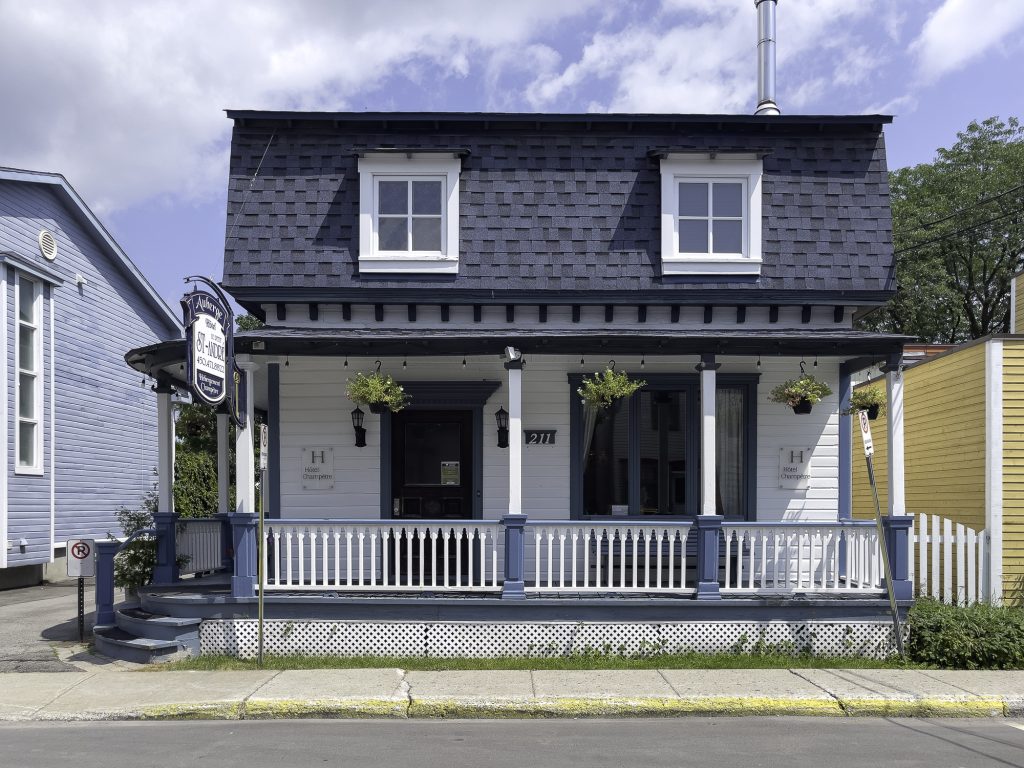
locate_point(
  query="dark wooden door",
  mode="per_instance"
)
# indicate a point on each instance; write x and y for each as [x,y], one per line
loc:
[432,479]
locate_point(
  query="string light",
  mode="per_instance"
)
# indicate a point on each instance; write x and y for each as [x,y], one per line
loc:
[286,361]
[758,361]
[404,364]
[815,361]
[346,361]
[582,361]
[643,359]
[463,361]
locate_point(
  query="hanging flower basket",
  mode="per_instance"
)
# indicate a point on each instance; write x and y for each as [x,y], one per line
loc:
[870,399]
[800,394]
[378,391]
[600,391]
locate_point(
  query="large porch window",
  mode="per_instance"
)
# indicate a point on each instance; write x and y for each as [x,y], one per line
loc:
[642,457]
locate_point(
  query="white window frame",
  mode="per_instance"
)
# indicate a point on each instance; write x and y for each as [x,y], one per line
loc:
[414,166]
[36,468]
[708,168]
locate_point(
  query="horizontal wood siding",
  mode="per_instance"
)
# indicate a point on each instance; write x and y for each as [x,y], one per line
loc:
[315,412]
[944,436]
[1013,467]
[105,419]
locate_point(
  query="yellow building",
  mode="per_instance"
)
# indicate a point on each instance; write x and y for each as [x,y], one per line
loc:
[963,447]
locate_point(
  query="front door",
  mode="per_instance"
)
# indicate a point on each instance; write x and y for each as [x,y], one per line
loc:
[432,465]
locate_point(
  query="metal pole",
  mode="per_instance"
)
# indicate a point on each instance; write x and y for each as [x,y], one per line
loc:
[885,559]
[260,544]
[81,609]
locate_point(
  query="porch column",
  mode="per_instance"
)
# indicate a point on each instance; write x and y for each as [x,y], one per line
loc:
[165,570]
[243,582]
[513,587]
[894,390]
[223,457]
[708,525]
[223,486]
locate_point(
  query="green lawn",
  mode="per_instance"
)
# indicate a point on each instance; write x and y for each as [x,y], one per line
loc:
[588,661]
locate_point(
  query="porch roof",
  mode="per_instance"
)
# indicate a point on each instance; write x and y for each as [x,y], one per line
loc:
[419,341]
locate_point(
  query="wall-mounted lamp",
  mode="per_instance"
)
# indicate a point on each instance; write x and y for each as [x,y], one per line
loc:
[357,425]
[502,418]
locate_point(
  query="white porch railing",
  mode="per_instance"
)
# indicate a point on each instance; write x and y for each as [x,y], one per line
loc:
[380,555]
[949,561]
[785,558]
[607,557]
[198,542]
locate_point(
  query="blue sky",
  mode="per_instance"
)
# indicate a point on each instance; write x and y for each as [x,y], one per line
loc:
[126,99]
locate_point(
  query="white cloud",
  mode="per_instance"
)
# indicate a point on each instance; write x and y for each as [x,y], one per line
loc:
[962,30]
[126,99]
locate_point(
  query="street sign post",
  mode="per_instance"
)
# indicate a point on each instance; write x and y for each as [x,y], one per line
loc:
[81,559]
[869,451]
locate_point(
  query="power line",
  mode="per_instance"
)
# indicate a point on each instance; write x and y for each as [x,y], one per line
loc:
[984,201]
[958,232]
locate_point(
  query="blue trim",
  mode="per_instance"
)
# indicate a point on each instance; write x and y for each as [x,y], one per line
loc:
[478,462]
[633,453]
[274,425]
[386,511]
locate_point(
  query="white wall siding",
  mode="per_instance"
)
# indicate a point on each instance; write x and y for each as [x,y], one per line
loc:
[315,412]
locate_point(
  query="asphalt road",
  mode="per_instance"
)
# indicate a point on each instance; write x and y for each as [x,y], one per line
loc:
[706,742]
[35,622]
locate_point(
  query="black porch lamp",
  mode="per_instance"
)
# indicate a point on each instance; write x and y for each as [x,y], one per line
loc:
[357,425]
[502,418]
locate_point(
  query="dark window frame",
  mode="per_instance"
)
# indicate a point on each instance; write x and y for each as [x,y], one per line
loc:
[662,382]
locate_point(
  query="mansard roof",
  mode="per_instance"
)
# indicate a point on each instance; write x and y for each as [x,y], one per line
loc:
[556,204]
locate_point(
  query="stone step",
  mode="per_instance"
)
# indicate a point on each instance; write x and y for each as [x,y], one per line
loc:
[156,626]
[115,642]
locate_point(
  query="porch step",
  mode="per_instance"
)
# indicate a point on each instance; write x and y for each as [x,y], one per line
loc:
[114,642]
[155,626]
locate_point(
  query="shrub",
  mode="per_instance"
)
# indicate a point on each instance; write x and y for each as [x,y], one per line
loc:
[978,636]
[133,565]
[195,484]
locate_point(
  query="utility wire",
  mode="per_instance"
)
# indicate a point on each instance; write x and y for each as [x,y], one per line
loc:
[961,231]
[965,209]
[252,183]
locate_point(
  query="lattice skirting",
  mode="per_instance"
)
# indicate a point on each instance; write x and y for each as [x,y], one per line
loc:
[237,637]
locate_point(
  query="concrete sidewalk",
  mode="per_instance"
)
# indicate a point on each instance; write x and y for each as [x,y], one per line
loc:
[394,693]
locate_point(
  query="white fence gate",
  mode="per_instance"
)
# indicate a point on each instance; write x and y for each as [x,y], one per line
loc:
[949,561]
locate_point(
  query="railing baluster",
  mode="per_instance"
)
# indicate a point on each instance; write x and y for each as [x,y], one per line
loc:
[574,538]
[561,558]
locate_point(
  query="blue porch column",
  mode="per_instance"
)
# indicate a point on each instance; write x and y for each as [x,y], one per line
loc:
[708,529]
[243,521]
[515,546]
[897,539]
[105,551]
[515,521]
[166,569]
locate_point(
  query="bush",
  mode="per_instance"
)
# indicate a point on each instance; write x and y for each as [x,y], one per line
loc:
[133,565]
[966,637]
[195,484]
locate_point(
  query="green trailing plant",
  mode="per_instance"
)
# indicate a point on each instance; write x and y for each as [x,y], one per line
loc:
[978,636]
[133,565]
[602,389]
[805,389]
[376,389]
[866,399]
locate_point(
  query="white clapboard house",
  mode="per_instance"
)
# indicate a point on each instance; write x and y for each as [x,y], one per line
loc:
[488,262]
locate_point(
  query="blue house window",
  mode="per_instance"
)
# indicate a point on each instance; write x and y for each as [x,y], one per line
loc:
[642,456]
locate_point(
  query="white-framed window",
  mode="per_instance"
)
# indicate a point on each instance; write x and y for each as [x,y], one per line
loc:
[28,382]
[409,213]
[711,214]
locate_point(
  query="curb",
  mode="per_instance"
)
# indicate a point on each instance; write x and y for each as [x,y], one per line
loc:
[554,708]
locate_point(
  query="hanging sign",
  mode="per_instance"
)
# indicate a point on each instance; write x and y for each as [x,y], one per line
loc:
[206,340]
[865,433]
[264,445]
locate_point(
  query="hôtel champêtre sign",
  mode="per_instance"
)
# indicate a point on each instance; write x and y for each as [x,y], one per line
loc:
[207,357]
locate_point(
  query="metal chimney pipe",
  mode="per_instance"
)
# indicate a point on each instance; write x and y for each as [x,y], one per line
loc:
[766,57]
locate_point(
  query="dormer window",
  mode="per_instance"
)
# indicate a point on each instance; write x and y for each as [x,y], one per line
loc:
[710,215]
[409,213]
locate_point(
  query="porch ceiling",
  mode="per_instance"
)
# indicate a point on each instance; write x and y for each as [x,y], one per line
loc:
[384,341]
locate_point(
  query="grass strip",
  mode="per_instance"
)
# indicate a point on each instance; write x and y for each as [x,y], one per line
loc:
[582,661]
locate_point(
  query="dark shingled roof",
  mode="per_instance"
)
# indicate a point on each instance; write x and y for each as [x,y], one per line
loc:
[556,204]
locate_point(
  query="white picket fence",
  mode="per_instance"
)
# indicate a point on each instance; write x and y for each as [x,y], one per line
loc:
[381,555]
[199,545]
[606,557]
[951,560]
[784,558]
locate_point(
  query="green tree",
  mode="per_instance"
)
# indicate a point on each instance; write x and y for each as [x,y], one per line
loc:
[958,231]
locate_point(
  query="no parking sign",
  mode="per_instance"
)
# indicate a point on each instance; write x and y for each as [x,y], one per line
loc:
[81,558]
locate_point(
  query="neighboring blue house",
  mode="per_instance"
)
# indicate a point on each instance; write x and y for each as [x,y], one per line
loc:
[79,437]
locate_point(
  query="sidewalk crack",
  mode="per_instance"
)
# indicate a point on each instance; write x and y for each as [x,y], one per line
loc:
[405,687]
[669,683]
[821,688]
[243,704]
[86,676]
